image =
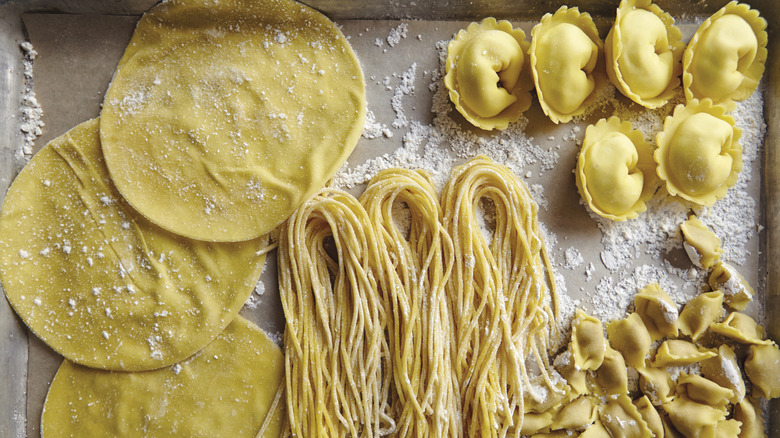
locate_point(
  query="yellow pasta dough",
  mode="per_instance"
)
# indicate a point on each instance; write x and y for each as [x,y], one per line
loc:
[692,418]
[650,415]
[630,337]
[337,360]
[703,390]
[723,369]
[656,384]
[698,155]
[724,60]
[414,269]
[700,313]
[577,415]
[701,244]
[488,74]
[615,170]
[658,311]
[565,52]
[741,328]
[231,113]
[763,369]
[748,412]
[622,419]
[676,352]
[229,388]
[643,52]
[587,341]
[737,292]
[611,377]
[98,282]
[596,430]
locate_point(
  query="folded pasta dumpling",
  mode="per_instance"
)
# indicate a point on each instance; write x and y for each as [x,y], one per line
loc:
[536,422]
[737,292]
[656,384]
[643,52]
[691,418]
[587,341]
[700,313]
[724,370]
[488,74]
[577,415]
[596,430]
[576,378]
[650,415]
[565,51]
[615,170]
[658,311]
[763,369]
[748,412]
[698,154]
[700,243]
[612,376]
[630,337]
[622,419]
[741,328]
[724,61]
[676,352]
[703,390]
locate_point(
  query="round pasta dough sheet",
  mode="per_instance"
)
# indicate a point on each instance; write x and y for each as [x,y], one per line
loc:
[98,282]
[227,389]
[231,114]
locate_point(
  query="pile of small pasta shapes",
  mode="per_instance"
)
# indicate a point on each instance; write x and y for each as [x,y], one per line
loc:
[436,327]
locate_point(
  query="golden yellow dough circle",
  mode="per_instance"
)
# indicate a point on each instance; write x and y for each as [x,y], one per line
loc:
[98,282]
[222,118]
[227,389]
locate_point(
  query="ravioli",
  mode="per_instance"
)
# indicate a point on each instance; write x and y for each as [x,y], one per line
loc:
[700,313]
[724,61]
[737,292]
[658,311]
[741,328]
[643,53]
[631,338]
[587,341]
[565,52]
[699,155]
[763,369]
[487,73]
[98,282]
[615,170]
[231,114]
[227,389]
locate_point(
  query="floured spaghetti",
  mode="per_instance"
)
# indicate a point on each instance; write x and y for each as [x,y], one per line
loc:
[503,296]
[336,354]
[415,263]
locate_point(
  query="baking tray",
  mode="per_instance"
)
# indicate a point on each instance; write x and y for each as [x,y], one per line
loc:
[26,365]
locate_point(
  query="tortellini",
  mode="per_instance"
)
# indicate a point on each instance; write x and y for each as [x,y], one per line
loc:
[700,243]
[577,415]
[701,312]
[630,337]
[656,384]
[747,412]
[698,154]
[724,370]
[724,60]
[650,415]
[737,293]
[741,328]
[692,418]
[565,50]
[763,369]
[703,390]
[622,419]
[676,352]
[658,311]
[615,170]
[643,53]
[488,74]
[612,376]
[587,341]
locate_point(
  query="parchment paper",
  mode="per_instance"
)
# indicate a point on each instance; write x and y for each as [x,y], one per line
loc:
[77,55]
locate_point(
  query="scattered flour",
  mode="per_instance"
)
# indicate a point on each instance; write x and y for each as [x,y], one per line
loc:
[397,34]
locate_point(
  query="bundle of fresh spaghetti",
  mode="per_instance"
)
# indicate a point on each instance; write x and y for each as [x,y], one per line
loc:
[502,294]
[415,263]
[336,355]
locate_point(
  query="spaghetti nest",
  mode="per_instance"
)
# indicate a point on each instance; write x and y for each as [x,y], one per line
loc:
[502,293]
[336,354]
[414,265]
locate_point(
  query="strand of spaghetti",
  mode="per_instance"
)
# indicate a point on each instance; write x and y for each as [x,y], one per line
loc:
[415,265]
[336,358]
[501,291]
